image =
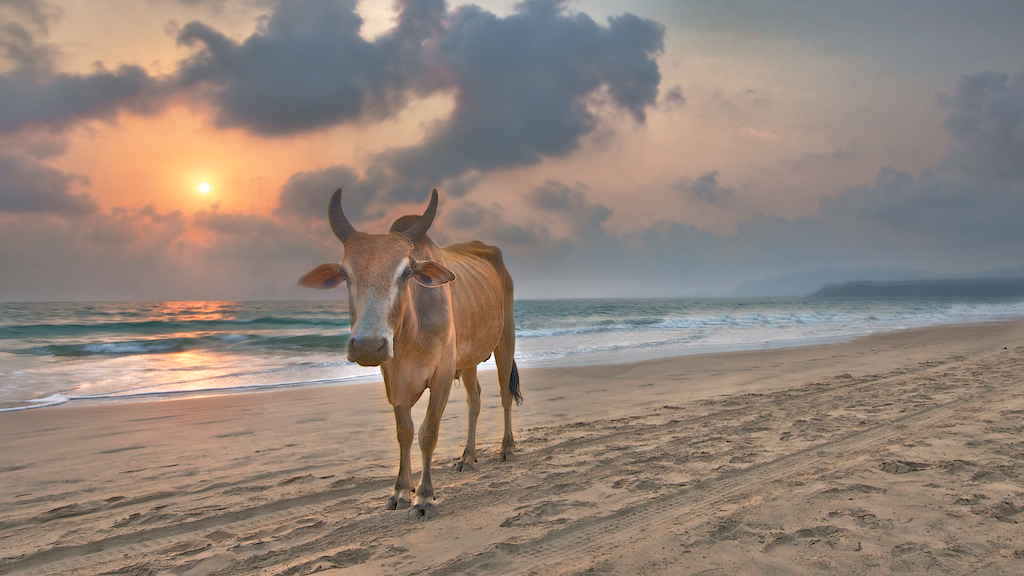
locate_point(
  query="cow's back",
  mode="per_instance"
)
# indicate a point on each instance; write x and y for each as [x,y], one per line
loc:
[481,296]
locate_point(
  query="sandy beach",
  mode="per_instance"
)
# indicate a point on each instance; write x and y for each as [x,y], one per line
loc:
[900,452]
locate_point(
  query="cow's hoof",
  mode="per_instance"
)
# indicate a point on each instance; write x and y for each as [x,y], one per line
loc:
[395,503]
[508,457]
[463,466]
[423,511]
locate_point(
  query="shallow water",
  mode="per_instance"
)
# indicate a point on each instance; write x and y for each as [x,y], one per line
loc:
[105,351]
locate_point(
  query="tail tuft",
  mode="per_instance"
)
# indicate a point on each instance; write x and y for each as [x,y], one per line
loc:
[514,385]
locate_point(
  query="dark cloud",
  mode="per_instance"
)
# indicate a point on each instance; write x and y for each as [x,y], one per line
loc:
[308,67]
[38,12]
[941,208]
[469,220]
[467,216]
[20,22]
[532,236]
[706,188]
[986,120]
[521,84]
[19,46]
[34,94]
[58,100]
[585,218]
[29,186]
[459,187]
[674,97]
[305,194]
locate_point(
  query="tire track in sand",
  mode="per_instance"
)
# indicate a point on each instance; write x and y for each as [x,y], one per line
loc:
[138,544]
[595,537]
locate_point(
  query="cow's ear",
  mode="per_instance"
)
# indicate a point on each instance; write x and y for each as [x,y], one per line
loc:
[430,274]
[323,277]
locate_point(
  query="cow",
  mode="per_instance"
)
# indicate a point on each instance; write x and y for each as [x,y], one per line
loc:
[426,315]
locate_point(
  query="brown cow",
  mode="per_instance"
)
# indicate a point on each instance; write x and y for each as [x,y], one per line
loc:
[424,333]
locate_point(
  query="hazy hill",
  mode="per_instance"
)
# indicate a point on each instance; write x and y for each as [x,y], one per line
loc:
[804,283]
[944,288]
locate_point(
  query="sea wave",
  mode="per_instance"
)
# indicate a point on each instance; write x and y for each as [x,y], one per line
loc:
[674,324]
[555,352]
[143,327]
[182,344]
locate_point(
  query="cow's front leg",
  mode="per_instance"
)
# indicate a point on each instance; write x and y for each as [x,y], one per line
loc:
[401,498]
[423,503]
[472,385]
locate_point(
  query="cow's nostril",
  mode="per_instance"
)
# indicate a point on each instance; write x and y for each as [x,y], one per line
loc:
[369,351]
[364,344]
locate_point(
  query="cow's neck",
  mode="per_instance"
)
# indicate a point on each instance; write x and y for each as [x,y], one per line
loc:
[424,316]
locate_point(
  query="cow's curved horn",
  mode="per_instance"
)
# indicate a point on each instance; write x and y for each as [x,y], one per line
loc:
[340,225]
[420,226]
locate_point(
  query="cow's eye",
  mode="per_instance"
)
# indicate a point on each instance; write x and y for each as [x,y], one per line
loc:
[406,273]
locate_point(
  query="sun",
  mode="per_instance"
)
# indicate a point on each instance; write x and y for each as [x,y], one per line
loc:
[204,187]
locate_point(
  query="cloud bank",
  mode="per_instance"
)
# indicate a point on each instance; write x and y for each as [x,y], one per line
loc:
[523,84]
[528,86]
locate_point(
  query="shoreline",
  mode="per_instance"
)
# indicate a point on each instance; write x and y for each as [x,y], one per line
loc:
[603,358]
[891,452]
[574,361]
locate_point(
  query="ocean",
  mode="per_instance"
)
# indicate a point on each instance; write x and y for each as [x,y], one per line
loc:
[101,352]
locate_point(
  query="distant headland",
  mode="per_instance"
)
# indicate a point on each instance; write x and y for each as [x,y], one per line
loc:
[948,288]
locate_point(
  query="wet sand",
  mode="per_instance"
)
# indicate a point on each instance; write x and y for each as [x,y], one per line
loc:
[899,452]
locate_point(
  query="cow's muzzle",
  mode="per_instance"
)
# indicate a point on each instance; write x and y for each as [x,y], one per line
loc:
[369,351]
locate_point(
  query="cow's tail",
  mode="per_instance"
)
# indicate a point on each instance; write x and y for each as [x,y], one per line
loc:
[513,385]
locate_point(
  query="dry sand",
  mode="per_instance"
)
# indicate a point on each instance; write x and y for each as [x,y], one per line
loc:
[899,452]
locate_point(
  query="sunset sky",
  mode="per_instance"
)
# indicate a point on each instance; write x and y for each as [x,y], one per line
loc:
[610,148]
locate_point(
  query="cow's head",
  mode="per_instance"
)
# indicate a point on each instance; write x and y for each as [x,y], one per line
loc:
[378,269]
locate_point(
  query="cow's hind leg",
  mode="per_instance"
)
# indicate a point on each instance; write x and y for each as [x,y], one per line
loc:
[508,379]
[472,386]
[423,501]
[508,374]
[401,497]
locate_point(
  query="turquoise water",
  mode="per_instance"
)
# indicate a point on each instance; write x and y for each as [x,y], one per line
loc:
[111,351]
